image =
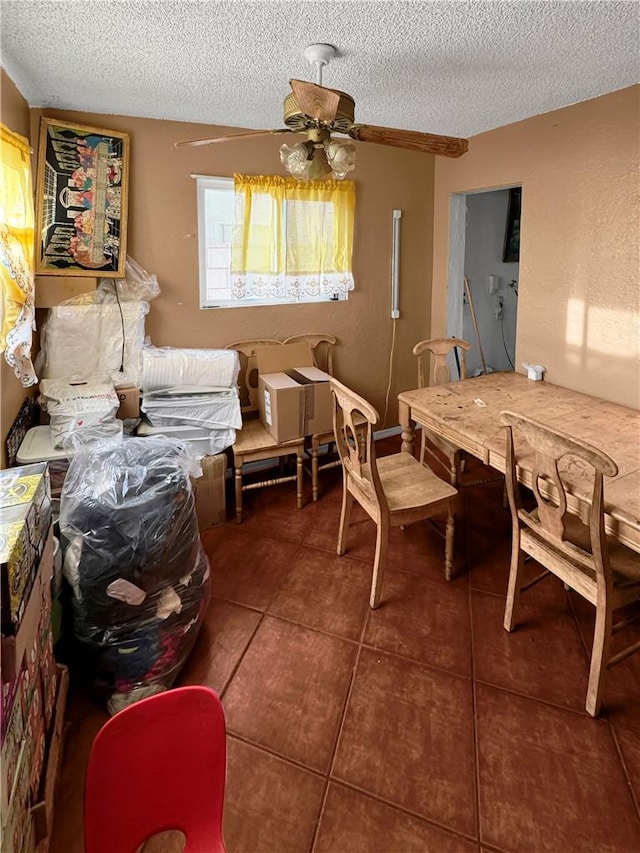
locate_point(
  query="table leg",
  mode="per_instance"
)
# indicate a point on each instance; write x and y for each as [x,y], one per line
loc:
[408,428]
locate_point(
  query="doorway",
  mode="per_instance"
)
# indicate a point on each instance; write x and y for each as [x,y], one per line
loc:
[484,247]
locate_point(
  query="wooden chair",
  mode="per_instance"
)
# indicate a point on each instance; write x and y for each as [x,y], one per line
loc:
[394,491]
[573,548]
[158,765]
[253,442]
[322,351]
[439,350]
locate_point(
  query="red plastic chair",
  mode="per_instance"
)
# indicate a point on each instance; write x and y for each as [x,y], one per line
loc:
[155,766]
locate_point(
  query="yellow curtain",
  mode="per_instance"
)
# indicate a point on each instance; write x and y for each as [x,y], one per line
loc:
[17,310]
[291,239]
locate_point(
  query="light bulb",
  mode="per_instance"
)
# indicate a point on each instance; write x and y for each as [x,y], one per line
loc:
[341,156]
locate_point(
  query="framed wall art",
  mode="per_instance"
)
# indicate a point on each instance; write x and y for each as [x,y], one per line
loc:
[81,200]
[511,251]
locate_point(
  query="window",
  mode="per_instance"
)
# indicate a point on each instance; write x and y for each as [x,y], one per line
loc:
[266,240]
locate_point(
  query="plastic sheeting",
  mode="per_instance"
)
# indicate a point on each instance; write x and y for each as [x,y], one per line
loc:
[76,407]
[171,369]
[133,558]
[94,341]
[203,442]
[217,410]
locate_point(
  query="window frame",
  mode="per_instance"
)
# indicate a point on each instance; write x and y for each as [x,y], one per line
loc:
[211,182]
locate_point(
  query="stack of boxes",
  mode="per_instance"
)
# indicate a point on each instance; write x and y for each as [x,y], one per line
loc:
[33,685]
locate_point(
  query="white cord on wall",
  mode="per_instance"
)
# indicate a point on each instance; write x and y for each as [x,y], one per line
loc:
[393,346]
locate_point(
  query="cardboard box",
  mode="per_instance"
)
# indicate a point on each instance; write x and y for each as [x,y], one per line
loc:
[28,634]
[294,396]
[35,733]
[25,509]
[42,811]
[209,490]
[10,756]
[15,827]
[129,397]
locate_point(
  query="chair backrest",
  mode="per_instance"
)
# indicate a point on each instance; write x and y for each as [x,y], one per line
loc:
[439,348]
[248,375]
[155,766]
[356,446]
[582,539]
[321,349]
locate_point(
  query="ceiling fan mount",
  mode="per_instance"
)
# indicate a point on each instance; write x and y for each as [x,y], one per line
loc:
[318,112]
[319,55]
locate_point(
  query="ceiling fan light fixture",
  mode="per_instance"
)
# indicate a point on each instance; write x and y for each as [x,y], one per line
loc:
[296,158]
[341,156]
[306,161]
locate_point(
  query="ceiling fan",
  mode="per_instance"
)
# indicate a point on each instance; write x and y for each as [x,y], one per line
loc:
[319,112]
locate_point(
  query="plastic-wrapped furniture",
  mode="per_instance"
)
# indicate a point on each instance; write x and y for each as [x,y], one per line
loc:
[135,563]
[158,765]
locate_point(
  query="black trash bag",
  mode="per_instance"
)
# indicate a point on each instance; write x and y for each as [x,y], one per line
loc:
[134,561]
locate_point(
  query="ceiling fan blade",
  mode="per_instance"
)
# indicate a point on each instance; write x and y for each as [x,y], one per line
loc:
[316,101]
[414,140]
[232,136]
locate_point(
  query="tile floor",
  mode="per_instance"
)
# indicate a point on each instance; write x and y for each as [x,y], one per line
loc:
[422,727]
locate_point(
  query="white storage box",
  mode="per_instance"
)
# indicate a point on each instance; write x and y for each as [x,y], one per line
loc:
[204,441]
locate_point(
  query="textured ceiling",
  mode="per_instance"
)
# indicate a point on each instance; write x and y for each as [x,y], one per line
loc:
[456,68]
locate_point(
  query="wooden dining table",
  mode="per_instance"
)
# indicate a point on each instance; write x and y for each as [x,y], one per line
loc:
[466,415]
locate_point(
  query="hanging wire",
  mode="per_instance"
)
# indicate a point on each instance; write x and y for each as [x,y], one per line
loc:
[386,401]
[504,343]
[115,287]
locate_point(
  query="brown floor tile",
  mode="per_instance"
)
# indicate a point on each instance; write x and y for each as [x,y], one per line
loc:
[270,804]
[361,542]
[424,761]
[272,511]
[326,592]
[88,717]
[419,549]
[629,743]
[330,484]
[622,686]
[280,641]
[356,823]
[542,657]
[489,572]
[225,634]
[289,692]
[550,779]
[426,621]
[622,693]
[249,569]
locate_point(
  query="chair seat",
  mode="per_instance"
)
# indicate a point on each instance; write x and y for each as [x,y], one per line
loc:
[408,484]
[254,438]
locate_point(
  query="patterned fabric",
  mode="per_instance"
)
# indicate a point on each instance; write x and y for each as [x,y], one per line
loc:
[291,239]
[17,305]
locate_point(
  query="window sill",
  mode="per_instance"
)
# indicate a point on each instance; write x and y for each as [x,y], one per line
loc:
[252,303]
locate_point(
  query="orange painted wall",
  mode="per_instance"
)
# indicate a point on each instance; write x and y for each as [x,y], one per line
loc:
[14,114]
[579,287]
[162,237]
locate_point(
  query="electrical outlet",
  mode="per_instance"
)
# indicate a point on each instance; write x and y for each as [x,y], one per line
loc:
[498,312]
